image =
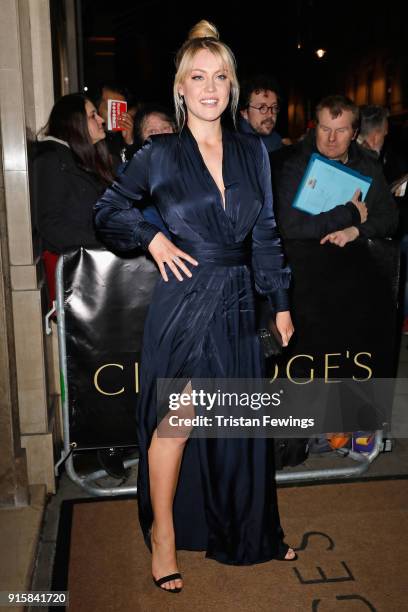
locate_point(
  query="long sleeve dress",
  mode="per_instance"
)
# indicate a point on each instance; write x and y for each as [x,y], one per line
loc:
[204,327]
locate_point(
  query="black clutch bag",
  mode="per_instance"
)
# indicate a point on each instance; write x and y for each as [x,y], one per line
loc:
[271,341]
[269,336]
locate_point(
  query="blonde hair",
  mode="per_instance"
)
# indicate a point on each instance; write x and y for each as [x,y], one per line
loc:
[204,35]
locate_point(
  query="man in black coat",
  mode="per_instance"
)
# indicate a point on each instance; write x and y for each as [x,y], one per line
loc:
[259,108]
[343,300]
[337,120]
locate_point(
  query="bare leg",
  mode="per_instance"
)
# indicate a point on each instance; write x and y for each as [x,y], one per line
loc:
[165,455]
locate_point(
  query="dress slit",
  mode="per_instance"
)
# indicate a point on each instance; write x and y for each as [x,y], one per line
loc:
[204,327]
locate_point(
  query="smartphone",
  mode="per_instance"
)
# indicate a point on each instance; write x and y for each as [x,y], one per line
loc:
[116,108]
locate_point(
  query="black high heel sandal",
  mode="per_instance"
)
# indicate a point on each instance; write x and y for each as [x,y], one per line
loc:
[164,579]
[161,581]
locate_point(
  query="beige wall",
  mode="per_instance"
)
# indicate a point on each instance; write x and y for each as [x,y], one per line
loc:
[26,97]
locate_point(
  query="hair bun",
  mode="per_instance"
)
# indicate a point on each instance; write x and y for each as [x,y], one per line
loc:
[203,29]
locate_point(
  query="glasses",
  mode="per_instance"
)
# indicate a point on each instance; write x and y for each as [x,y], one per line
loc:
[264,108]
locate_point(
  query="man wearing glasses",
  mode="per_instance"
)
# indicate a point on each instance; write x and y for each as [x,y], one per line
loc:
[259,108]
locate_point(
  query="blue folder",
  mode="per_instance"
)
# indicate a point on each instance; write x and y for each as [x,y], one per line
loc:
[326,184]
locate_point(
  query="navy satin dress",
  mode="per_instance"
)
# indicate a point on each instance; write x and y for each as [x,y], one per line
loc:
[204,327]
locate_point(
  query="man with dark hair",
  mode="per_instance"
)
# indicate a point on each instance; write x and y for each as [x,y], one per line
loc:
[373,132]
[259,108]
[120,144]
[373,137]
[373,127]
[337,120]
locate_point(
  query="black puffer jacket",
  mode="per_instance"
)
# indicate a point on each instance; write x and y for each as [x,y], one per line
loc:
[63,195]
[295,224]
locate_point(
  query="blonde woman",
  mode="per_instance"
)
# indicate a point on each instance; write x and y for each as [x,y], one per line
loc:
[212,188]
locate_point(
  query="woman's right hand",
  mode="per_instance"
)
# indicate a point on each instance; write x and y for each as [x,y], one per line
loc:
[164,251]
[361,206]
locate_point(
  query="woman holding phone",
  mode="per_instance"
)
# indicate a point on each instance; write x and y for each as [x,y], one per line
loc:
[71,169]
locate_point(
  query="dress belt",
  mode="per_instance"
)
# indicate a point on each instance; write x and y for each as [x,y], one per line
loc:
[236,254]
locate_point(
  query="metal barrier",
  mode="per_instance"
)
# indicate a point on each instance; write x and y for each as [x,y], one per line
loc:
[85,482]
[88,481]
[364,462]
